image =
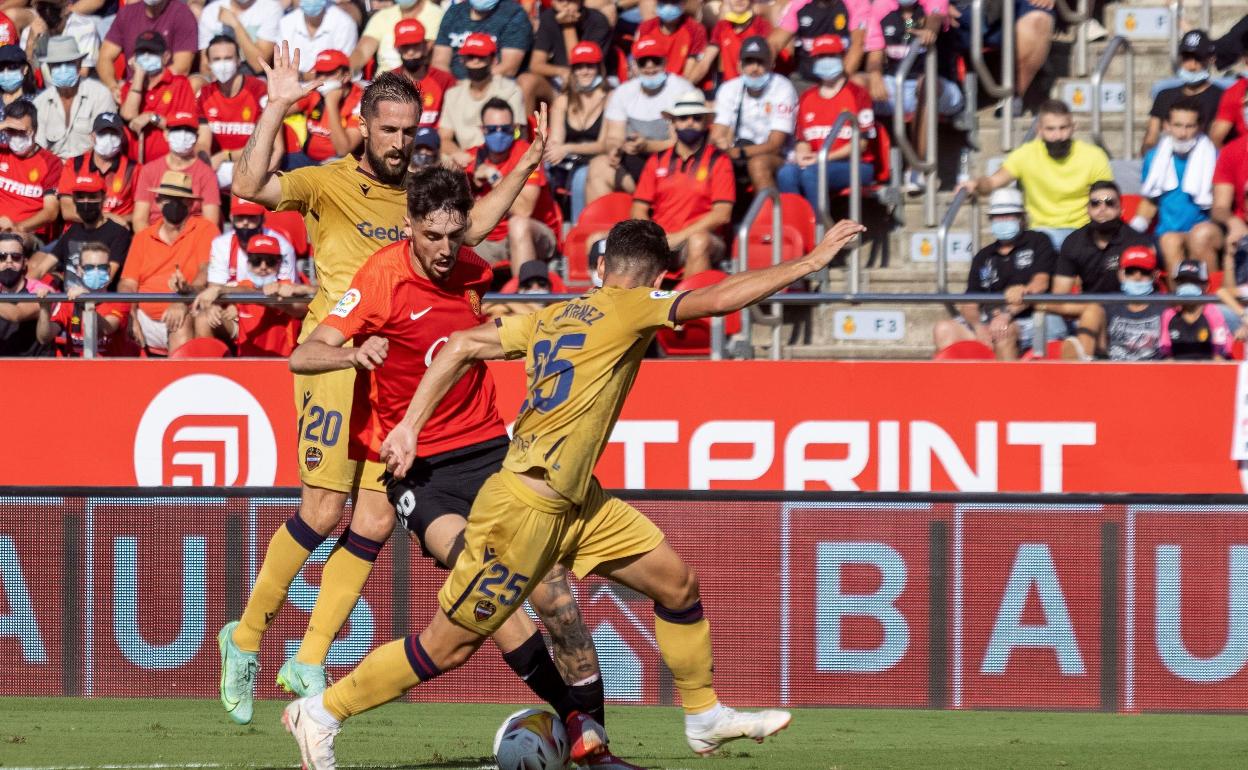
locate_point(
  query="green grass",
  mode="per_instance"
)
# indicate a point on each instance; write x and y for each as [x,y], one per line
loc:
[52,732]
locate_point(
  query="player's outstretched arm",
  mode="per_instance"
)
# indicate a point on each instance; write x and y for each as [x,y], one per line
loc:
[323,351]
[490,210]
[253,180]
[753,286]
[462,350]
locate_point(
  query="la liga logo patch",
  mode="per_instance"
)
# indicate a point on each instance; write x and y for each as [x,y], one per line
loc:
[347,303]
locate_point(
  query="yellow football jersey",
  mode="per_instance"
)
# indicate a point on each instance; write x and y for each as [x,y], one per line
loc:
[581,358]
[350,215]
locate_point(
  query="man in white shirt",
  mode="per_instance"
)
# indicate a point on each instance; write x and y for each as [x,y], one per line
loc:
[755,116]
[315,26]
[68,106]
[252,23]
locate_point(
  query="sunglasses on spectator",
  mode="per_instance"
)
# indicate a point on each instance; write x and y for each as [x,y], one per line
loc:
[1136,271]
[506,129]
[94,268]
[1096,203]
[15,257]
[268,260]
[646,61]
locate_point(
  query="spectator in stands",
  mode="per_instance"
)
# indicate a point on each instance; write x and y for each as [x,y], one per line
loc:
[1231,121]
[635,126]
[504,22]
[817,110]
[1196,51]
[685,38]
[426,147]
[1178,189]
[252,24]
[577,125]
[534,278]
[1019,262]
[64,256]
[1197,331]
[1230,191]
[181,137]
[315,26]
[737,23]
[231,105]
[560,28]
[68,107]
[107,159]
[461,111]
[65,318]
[1033,36]
[1122,332]
[53,18]
[755,116]
[153,93]
[17,82]
[413,50]
[171,255]
[1055,169]
[19,320]
[28,175]
[531,228]
[332,110]
[255,330]
[169,21]
[850,21]
[689,189]
[380,35]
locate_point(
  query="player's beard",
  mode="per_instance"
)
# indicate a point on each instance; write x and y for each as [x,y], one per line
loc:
[385,173]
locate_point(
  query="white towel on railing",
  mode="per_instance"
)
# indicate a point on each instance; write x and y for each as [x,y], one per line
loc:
[1197,177]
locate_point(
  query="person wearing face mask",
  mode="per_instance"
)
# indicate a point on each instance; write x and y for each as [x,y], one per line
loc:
[504,22]
[737,23]
[169,256]
[231,104]
[87,191]
[817,110]
[577,127]
[18,321]
[251,24]
[1131,332]
[1018,262]
[313,26]
[152,94]
[755,118]
[805,21]
[426,148]
[413,50]
[1231,121]
[460,126]
[381,33]
[53,18]
[530,229]
[182,135]
[171,20]
[1195,76]
[1055,169]
[1196,331]
[689,190]
[261,331]
[561,27]
[66,318]
[686,40]
[106,158]
[1178,188]
[634,126]
[17,83]
[69,105]
[28,176]
[332,110]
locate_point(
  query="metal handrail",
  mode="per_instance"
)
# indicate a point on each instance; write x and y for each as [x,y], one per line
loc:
[1079,18]
[1005,89]
[1118,43]
[743,261]
[1176,20]
[901,137]
[942,235]
[822,216]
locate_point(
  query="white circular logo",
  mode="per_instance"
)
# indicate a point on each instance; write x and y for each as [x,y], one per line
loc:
[204,430]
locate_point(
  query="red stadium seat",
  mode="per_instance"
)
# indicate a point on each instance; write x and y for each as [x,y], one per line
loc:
[1237,350]
[796,212]
[557,285]
[598,216]
[965,350]
[202,347]
[759,245]
[694,338]
[292,227]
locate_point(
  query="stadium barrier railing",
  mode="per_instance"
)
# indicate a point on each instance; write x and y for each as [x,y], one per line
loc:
[901,137]
[978,73]
[1118,44]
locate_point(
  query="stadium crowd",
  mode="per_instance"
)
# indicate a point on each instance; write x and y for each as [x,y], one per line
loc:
[120,125]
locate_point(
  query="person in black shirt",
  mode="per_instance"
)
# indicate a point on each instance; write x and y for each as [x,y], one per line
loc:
[1197,331]
[19,320]
[549,67]
[1196,51]
[62,260]
[1018,262]
[1122,332]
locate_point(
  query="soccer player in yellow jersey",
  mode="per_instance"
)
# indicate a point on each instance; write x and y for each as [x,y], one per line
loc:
[353,208]
[545,507]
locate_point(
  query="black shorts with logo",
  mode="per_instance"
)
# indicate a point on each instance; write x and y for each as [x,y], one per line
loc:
[443,483]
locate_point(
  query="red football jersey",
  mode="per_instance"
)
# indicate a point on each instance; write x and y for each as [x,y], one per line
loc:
[388,299]
[68,315]
[232,119]
[689,40]
[729,39]
[319,146]
[120,181]
[433,88]
[815,116]
[24,182]
[166,94]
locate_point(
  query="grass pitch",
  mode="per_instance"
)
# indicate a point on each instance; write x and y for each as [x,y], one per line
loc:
[80,733]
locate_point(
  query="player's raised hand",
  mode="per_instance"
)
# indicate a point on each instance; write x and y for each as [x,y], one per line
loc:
[285,87]
[371,354]
[836,239]
[398,451]
[541,133]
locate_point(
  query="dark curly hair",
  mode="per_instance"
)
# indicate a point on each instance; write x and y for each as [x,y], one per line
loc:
[437,188]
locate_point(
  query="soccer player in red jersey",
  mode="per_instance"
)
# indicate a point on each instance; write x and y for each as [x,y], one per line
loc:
[403,305]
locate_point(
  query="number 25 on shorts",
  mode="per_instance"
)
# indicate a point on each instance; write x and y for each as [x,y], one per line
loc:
[512,583]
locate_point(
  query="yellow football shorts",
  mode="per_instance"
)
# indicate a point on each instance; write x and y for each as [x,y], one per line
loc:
[515,536]
[323,402]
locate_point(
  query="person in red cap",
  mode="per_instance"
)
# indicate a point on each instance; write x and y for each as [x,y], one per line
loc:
[109,159]
[231,106]
[149,98]
[460,127]
[817,109]
[381,33]
[1129,332]
[686,40]
[576,125]
[63,258]
[561,27]
[28,175]
[332,110]
[413,51]
[181,135]
[505,22]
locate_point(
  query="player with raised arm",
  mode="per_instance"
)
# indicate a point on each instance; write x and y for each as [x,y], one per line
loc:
[545,507]
[353,207]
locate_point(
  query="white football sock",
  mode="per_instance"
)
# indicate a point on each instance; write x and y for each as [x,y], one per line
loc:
[315,706]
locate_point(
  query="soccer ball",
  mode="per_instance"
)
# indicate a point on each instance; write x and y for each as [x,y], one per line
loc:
[531,740]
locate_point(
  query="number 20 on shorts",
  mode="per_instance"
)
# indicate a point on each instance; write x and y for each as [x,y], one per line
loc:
[324,427]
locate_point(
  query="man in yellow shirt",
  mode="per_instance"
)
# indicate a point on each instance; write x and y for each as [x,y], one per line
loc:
[1055,171]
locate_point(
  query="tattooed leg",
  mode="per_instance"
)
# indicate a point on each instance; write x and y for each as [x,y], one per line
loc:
[574,647]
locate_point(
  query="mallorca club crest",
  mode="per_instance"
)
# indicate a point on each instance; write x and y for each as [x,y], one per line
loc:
[474,300]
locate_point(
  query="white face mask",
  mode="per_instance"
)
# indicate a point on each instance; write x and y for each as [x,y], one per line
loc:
[223,70]
[181,142]
[329,86]
[1185,146]
[150,63]
[107,145]
[261,281]
[21,144]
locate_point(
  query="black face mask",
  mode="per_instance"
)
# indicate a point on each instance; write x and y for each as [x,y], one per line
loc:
[413,65]
[478,74]
[89,211]
[1057,149]
[1106,228]
[691,137]
[245,234]
[175,212]
[10,277]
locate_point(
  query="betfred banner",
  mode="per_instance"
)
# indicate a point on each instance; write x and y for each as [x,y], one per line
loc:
[840,426]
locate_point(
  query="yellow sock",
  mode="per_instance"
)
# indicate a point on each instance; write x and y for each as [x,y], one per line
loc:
[384,674]
[684,639]
[342,580]
[289,548]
